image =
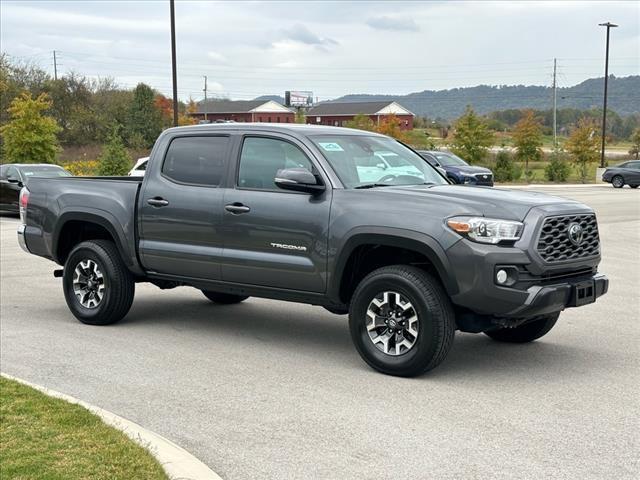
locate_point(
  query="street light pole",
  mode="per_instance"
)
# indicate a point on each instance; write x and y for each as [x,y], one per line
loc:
[173,63]
[609,25]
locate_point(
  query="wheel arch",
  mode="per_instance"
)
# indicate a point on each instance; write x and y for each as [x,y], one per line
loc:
[77,226]
[406,242]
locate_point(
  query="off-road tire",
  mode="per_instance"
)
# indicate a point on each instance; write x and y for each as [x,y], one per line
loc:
[436,320]
[118,281]
[223,298]
[525,333]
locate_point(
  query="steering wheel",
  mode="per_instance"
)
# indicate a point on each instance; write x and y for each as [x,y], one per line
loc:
[387,178]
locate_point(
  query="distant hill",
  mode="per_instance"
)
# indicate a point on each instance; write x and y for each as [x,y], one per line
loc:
[624,98]
[275,98]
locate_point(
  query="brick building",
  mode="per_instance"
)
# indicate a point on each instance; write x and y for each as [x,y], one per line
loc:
[338,113]
[243,111]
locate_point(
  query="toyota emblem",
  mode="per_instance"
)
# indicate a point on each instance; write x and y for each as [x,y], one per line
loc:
[576,233]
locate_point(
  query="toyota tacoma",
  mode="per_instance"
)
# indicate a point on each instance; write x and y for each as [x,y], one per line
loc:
[281,212]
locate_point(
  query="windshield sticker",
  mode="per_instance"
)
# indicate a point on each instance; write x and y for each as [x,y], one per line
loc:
[28,173]
[331,147]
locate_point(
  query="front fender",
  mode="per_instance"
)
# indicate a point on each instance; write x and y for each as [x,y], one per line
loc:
[392,237]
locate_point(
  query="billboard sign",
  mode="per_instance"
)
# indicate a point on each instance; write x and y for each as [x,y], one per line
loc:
[298,99]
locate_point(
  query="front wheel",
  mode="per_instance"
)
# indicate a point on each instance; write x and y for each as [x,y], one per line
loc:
[617,181]
[525,333]
[97,285]
[401,321]
[223,298]
[634,186]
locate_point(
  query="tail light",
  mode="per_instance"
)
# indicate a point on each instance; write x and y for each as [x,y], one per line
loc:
[23,201]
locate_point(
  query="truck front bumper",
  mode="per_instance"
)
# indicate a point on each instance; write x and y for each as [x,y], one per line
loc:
[537,291]
[542,300]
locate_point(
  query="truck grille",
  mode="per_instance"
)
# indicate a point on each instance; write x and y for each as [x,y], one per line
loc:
[555,243]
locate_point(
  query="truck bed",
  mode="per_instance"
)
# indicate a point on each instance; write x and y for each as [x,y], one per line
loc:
[109,201]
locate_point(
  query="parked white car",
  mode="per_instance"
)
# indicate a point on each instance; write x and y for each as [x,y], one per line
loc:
[139,168]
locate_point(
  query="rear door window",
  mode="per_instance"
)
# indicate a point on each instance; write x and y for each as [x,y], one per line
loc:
[197,160]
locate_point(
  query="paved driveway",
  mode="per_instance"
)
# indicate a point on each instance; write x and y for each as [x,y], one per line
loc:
[274,390]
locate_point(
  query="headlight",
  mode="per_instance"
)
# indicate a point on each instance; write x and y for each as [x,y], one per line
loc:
[486,230]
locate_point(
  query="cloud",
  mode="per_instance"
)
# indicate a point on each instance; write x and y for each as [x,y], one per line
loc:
[218,58]
[393,23]
[301,34]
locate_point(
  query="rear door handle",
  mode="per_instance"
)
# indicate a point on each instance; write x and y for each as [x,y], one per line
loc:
[158,202]
[237,208]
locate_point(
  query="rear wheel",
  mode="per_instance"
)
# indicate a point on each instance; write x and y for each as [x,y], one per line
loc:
[223,298]
[525,333]
[401,321]
[617,181]
[97,285]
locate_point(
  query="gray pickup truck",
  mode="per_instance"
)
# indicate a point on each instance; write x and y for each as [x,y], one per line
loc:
[297,213]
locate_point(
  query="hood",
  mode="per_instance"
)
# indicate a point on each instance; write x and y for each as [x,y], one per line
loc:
[449,200]
[469,169]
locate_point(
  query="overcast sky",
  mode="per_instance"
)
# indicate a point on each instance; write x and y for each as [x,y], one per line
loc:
[331,48]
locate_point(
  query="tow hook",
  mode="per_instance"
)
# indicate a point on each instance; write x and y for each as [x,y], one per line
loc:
[57,273]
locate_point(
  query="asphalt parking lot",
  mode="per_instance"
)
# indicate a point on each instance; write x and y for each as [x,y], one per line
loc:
[273,390]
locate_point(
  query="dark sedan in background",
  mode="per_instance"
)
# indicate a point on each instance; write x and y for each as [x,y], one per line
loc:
[627,173]
[457,170]
[13,176]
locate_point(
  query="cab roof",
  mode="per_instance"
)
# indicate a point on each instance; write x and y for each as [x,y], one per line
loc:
[294,129]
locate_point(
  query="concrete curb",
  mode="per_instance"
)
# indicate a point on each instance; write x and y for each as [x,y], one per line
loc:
[176,461]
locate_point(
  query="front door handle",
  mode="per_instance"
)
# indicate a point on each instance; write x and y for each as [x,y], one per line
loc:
[237,208]
[158,202]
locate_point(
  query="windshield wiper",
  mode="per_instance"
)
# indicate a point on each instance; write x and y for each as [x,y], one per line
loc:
[371,185]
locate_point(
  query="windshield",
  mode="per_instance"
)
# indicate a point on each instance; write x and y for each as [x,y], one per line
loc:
[450,160]
[44,171]
[364,160]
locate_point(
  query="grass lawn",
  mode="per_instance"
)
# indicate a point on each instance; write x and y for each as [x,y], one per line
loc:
[47,438]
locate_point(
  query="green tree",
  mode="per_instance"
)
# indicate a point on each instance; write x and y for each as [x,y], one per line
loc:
[527,138]
[30,136]
[114,160]
[582,145]
[145,119]
[361,122]
[472,137]
[635,144]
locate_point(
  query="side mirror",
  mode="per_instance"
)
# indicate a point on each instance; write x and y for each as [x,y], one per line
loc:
[14,180]
[382,166]
[298,180]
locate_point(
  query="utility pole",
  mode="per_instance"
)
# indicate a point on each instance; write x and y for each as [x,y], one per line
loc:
[609,25]
[173,63]
[205,97]
[555,106]
[55,66]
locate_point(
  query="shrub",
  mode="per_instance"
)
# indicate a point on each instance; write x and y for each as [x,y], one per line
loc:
[558,169]
[82,168]
[517,171]
[504,171]
[115,159]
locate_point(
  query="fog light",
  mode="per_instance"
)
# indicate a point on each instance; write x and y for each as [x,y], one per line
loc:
[501,277]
